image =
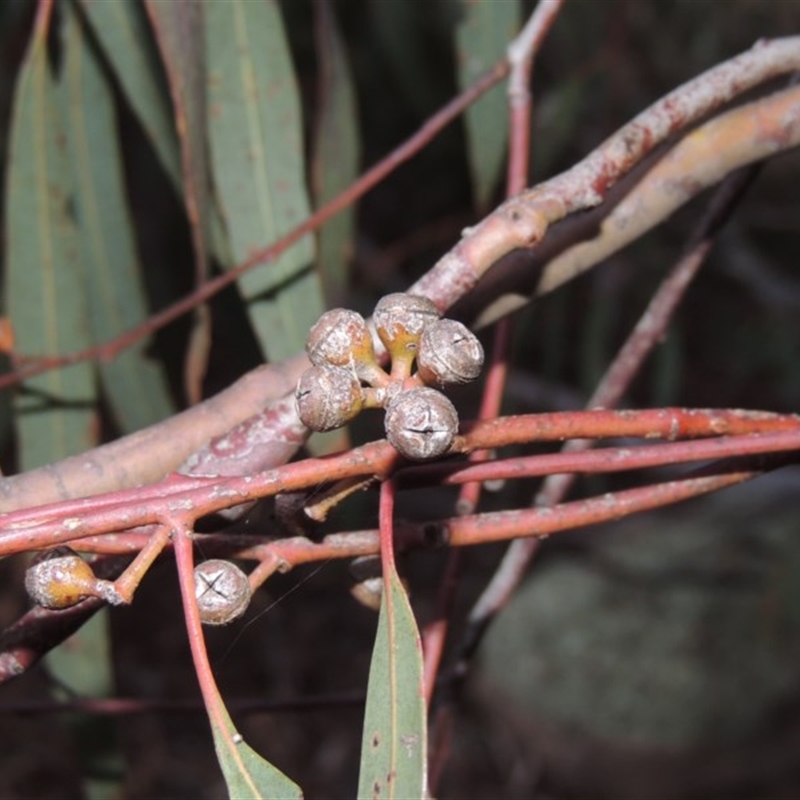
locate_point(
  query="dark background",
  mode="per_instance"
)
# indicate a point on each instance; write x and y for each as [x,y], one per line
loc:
[658,659]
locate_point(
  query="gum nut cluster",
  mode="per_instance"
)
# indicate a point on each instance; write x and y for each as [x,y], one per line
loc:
[421,423]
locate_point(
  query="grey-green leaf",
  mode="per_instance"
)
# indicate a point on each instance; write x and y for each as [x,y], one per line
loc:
[135,386]
[394,742]
[257,162]
[482,34]
[126,40]
[336,152]
[178,26]
[247,775]
[45,285]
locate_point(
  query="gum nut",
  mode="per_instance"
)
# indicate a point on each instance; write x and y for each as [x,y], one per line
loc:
[421,423]
[449,353]
[400,319]
[328,397]
[222,591]
[339,337]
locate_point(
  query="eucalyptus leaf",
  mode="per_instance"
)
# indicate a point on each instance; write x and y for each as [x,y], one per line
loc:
[482,34]
[122,31]
[135,386]
[394,742]
[255,130]
[45,283]
[128,46]
[247,775]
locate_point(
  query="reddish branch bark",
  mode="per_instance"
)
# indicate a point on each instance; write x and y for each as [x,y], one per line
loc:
[520,222]
[182,500]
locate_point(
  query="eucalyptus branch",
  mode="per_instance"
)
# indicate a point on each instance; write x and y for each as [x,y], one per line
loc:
[645,335]
[523,221]
[38,631]
[520,222]
[186,499]
[744,135]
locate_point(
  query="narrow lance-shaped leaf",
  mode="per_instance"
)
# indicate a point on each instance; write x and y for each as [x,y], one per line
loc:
[128,46]
[136,387]
[482,34]
[393,748]
[257,161]
[45,289]
[247,774]
[178,26]
[122,32]
[336,151]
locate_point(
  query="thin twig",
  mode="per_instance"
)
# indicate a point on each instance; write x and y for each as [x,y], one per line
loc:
[46,526]
[40,630]
[523,221]
[648,331]
[521,53]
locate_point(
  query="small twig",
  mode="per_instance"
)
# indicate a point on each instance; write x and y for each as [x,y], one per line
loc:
[20,531]
[602,461]
[40,630]
[648,331]
[523,221]
[520,54]
[464,531]
[41,23]
[129,581]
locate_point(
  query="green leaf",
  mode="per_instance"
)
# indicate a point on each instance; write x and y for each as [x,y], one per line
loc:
[336,153]
[246,774]
[125,38]
[394,748]
[136,387]
[482,35]
[45,286]
[178,26]
[257,161]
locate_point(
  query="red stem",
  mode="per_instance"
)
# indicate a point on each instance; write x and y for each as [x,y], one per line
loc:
[25,531]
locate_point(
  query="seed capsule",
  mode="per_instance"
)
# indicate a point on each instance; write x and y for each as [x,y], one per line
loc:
[449,353]
[328,397]
[340,337]
[421,423]
[60,578]
[399,321]
[222,591]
